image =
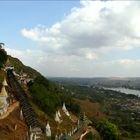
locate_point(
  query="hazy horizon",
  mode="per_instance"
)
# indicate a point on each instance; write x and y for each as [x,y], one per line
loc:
[94,77]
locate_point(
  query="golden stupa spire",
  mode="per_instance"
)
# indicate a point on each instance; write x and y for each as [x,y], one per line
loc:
[4,83]
[3,92]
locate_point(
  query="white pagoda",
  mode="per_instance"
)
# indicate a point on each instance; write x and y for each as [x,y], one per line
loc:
[64,107]
[57,119]
[65,110]
[56,137]
[31,136]
[59,115]
[21,114]
[48,130]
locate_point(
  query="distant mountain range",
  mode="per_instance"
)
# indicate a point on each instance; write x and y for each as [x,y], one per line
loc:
[127,82]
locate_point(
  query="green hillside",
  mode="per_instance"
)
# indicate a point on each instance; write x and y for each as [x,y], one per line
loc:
[19,66]
[47,95]
[3,55]
[46,98]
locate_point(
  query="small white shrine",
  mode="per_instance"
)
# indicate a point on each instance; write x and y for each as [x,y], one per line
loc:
[21,115]
[65,110]
[57,119]
[56,137]
[59,115]
[48,130]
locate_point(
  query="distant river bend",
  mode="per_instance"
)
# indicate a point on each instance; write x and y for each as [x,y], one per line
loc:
[125,90]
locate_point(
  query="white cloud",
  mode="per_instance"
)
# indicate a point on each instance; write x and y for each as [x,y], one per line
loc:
[14,52]
[126,62]
[58,65]
[88,33]
[97,24]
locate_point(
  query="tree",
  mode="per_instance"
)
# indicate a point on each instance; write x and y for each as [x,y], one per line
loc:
[1,45]
[45,94]
[90,136]
[3,55]
[108,130]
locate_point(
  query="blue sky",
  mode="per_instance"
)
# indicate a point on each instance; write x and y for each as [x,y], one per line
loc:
[17,15]
[74,38]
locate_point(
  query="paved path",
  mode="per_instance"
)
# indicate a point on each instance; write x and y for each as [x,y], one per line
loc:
[83,131]
[77,135]
[83,134]
[10,109]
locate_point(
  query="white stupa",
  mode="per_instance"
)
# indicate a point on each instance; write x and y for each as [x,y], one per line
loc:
[64,107]
[57,119]
[67,113]
[48,130]
[75,129]
[72,132]
[65,110]
[69,133]
[35,137]
[59,115]
[78,123]
[31,136]
[56,137]
[59,137]
[21,114]
[61,134]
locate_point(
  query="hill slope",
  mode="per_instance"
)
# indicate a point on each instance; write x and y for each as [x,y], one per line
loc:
[20,67]
[46,94]
[46,97]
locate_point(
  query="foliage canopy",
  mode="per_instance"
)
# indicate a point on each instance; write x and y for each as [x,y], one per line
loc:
[108,130]
[3,55]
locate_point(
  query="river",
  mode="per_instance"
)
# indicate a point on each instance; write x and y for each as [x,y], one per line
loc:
[126,90]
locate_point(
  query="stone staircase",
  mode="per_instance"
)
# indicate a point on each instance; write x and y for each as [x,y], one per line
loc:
[34,134]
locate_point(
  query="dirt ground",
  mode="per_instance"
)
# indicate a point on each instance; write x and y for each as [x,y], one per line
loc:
[10,109]
[12,128]
[91,109]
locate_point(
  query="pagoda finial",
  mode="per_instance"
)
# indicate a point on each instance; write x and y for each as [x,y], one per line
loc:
[3,92]
[4,83]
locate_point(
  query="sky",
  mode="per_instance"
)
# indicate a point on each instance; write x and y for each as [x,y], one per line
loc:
[74,38]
